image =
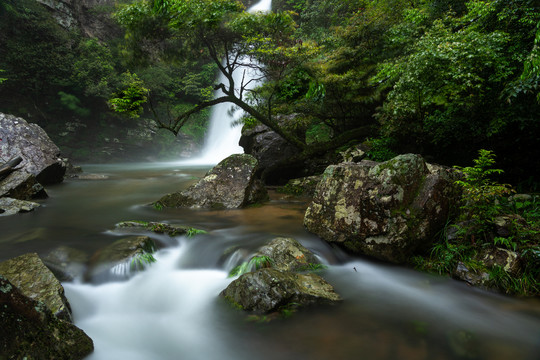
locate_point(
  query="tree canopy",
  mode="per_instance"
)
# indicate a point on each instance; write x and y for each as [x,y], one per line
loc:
[443,78]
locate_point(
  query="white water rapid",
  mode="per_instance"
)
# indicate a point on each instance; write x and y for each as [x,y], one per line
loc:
[222,137]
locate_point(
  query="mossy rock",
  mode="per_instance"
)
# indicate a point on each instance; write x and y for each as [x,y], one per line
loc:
[157,227]
[30,331]
[29,274]
[268,290]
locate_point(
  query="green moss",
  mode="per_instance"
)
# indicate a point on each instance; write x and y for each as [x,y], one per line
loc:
[233,303]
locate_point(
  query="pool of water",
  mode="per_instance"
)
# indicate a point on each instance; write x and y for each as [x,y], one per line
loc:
[173,311]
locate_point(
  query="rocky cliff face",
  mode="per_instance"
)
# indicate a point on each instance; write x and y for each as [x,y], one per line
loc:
[90,16]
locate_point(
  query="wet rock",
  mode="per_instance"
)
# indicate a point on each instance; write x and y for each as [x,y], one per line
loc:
[157,227]
[473,277]
[484,263]
[66,263]
[508,260]
[117,260]
[21,185]
[9,206]
[267,290]
[231,184]
[268,148]
[92,177]
[304,186]
[40,156]
[30,331]
[385,210]
[287,254]
[275,154]
[29,274]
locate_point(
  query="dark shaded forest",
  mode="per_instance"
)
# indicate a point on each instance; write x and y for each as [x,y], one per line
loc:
[442,78]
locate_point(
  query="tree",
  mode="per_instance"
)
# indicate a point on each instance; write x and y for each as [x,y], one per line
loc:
[449,90]
[235,41]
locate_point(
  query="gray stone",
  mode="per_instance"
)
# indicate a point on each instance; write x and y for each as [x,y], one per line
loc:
[287,254]
[30,331]
[508,260]
[9,206]
[476,278]
[41,157]
[385,210]
[267,290]
[22,186]
[266,145]
[29,274]
[231,184]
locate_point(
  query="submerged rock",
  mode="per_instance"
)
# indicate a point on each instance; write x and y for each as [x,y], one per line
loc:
[66,263]
[231,184]
[157,227]
[267,290]
[40,156]
[30,331]
[29,274]
[117,260]
[385,210]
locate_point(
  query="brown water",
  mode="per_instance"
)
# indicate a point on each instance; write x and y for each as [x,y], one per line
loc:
[172,311]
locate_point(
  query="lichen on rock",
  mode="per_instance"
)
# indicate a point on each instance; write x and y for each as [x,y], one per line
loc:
[231,184]
[385,210]
[36,281]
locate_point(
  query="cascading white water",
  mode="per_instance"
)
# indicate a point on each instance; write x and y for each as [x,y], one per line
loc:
[222,137]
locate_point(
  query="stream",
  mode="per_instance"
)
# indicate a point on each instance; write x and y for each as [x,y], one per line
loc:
[172,310]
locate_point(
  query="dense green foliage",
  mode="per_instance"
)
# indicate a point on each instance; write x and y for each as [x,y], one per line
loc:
[485,206]
[55,76]
[443,78]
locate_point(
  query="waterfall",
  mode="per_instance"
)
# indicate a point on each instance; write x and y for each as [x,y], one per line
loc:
[222,137]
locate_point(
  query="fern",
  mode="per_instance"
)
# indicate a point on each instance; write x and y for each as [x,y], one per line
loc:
[255,263]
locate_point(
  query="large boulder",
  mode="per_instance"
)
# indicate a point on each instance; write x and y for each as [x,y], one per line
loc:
[267,290]
[29,274]
[40,156]
[269,148]
[385,210]
[231,184]
[278,159]
[30,331]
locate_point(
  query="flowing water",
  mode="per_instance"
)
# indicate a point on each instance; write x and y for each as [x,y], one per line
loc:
[173,311]
[223,133]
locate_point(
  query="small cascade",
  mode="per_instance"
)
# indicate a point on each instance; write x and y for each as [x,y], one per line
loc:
[223,136]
